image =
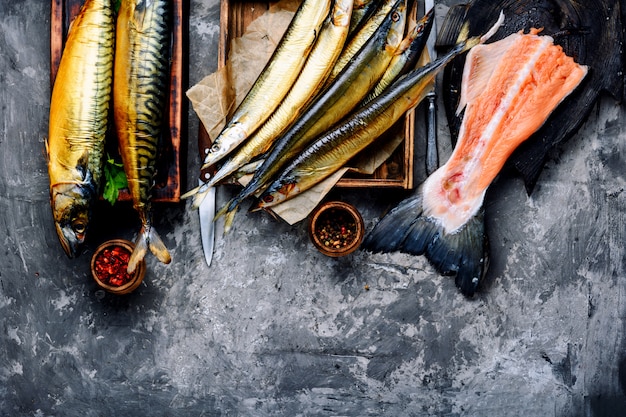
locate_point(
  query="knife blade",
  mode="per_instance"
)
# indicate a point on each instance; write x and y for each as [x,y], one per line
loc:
[206,210]
[432,155]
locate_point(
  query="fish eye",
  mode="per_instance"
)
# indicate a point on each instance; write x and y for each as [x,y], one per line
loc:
[268,198]
[79,227]
[215,147]
[395,16]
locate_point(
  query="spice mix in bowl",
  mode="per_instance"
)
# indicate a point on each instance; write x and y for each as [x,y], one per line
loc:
[336,228]
[108,267]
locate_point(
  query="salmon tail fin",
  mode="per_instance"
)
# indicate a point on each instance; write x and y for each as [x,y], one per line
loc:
[148,238]
[406,229]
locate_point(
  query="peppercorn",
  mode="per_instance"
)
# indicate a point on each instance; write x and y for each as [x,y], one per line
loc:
[335,229]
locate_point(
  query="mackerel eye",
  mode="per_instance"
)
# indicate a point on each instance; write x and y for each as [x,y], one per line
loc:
[79,227]
[268,198]
[215,147]
[395,16]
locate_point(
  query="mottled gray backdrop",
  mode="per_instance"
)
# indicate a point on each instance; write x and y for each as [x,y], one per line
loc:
[275,328]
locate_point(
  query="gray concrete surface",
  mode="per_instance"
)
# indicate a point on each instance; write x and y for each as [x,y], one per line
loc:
[274,328]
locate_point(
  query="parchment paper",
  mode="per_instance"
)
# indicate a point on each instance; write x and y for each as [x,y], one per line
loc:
[216,96]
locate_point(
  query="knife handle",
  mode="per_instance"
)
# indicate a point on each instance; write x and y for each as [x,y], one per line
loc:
[204,144]
[432,155]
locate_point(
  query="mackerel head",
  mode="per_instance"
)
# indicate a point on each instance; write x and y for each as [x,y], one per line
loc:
[72,203]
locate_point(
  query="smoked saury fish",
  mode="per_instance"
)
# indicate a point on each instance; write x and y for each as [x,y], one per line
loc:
[333,149]
[323,56]
[275,80]
[335,101]
[509,89]
[139,101]
[79,110]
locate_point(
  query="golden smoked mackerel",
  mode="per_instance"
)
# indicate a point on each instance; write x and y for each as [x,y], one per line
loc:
[320,62]
[79,111]
[139,99]
[275,79]
[333,149]
[332,104]
[509,90]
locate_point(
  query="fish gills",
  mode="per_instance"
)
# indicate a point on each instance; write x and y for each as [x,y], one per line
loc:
[363,33]
[79,110]
[407,55]
[510,88]
[139,100]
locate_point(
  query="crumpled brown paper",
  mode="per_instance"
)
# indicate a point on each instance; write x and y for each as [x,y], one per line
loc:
[216,96]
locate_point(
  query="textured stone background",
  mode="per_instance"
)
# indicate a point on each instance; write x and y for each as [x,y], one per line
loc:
[275,328]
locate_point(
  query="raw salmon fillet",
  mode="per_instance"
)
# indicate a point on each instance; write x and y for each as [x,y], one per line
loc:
[509,89]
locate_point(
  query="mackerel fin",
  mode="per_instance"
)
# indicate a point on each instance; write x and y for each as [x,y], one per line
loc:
[148,238]
[462,253]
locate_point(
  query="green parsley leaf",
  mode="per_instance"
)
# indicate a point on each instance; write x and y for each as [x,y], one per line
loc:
[115,180]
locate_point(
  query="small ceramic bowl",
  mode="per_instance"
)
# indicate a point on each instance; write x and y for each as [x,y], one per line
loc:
[336,228]
[108,267]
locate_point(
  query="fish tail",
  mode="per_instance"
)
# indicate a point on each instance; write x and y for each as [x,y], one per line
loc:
[191,193]
[461,253]
[198,193]
[228,210]
[148,238]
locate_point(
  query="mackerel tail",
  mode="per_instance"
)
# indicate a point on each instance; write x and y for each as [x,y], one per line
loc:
[139,103]
[462,253]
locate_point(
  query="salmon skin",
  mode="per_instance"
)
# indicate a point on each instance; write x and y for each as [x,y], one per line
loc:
[79,109]
[510,88]
[586,30]
[139,101]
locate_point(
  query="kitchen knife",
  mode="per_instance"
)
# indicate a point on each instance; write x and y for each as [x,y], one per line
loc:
[432,156]
[206,210]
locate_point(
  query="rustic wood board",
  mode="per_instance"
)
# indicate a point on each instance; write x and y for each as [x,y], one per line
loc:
[396,172]
[167,181]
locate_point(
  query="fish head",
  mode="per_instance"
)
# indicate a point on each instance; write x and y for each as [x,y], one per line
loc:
[231,137]
[71,209]
[275,195]
[398,22]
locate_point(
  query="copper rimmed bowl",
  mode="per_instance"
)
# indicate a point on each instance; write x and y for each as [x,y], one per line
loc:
[336,228]
[108,267]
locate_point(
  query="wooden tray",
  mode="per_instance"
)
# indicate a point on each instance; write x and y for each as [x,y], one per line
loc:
[397,171]
[167,181]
